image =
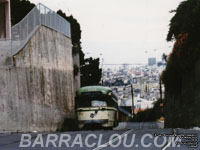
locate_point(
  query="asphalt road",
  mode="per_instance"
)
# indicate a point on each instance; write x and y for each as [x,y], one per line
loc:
[117,139]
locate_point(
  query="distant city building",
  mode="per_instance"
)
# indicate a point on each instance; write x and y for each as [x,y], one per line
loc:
[152,61]
[145,82]
[160,63]
[125,66]
[139,103]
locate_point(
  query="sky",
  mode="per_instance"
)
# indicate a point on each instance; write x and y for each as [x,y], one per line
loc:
[120,31]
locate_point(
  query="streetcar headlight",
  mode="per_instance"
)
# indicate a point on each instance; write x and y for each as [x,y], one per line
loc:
[91,115]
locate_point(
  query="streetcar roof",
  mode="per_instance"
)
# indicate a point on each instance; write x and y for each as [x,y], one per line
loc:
[104,90]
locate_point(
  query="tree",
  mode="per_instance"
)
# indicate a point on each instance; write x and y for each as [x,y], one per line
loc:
[185,30]
[150,114]
[164,57]
[19,9]
[89,69]
[90,72]
[181,105]
[75,35]
[185,20]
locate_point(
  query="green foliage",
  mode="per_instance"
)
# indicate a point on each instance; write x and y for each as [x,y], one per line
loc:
[149,115]
[179,75]
[186,20]
[158,110]
[144,116]
[69,124]
[76,70]
[75,28]
[164,57]
[90,72]
[171,76]
[19,9]
[75,35]
[185,30]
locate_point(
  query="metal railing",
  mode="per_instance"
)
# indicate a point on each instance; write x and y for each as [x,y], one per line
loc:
[39,15]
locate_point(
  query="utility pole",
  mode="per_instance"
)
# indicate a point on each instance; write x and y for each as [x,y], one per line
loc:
[102,72]
[161,104]
[132,95]
[101,58]
[160,83]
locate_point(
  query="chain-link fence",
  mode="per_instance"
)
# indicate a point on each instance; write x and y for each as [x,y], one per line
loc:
[39,15]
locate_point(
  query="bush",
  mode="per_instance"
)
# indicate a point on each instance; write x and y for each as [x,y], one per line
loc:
[76,70]
[144,116]
[69,124]
[149,115]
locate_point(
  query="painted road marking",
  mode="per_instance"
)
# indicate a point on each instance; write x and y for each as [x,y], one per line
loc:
[170,141]
[112,141]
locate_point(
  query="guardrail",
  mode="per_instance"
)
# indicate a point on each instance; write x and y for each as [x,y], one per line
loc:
[39,15]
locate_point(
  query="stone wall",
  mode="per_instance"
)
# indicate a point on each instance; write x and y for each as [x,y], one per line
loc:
[37,93]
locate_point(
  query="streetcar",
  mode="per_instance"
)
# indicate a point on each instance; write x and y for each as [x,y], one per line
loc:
[96,105]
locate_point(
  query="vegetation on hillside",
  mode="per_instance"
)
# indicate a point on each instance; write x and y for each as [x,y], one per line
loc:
[181,105]
[150,114]
[184,29]
[19,9]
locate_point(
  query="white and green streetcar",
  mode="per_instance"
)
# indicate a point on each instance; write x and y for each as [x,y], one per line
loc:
[96,105]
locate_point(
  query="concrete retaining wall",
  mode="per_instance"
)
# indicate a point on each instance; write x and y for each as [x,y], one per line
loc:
[38,93]
[77,81]
[5,53]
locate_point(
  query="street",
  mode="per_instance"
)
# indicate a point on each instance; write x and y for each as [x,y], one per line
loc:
[118,139]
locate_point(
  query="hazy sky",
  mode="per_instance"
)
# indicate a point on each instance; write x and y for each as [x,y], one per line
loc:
[123,31]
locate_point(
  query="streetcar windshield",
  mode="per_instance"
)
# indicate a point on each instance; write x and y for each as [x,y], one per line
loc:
[95,96]
[92,103]
[97,103]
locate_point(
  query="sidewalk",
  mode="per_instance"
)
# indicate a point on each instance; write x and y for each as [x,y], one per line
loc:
[140,125]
